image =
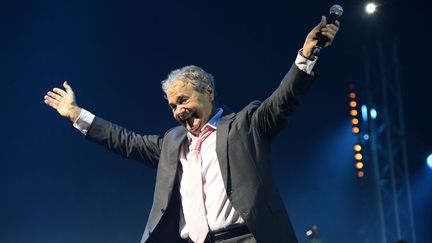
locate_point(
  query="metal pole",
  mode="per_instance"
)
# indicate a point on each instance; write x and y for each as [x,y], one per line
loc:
[374,149]
[403,142]
[389,140]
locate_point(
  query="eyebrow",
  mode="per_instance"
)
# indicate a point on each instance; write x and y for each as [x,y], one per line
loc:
[180,97]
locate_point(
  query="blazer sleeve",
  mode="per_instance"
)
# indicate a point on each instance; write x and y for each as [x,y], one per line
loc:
[273,113]
[145,149]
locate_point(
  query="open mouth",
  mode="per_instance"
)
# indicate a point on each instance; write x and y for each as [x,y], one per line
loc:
[188,121]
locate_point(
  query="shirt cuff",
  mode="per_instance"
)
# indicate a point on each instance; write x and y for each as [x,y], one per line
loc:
[84,121]
[305,64]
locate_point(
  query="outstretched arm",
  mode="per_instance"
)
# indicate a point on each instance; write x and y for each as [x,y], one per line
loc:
[117,139]
[64,102]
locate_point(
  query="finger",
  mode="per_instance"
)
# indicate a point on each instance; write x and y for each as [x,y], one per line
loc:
[54,95]
[329,35]
[333,27]
[51,102]
[67,87]
[60,92]
[321,24]
[328,31]
[323,21]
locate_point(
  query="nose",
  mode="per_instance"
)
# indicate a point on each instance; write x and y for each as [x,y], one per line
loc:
[178,111]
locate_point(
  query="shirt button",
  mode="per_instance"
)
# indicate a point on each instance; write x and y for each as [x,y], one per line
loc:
[162,210]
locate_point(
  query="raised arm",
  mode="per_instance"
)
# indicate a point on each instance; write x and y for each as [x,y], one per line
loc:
[273,113]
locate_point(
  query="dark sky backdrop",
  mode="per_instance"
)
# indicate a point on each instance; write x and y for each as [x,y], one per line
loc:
[57,187]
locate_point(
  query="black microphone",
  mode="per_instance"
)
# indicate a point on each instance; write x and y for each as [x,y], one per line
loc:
[335,12]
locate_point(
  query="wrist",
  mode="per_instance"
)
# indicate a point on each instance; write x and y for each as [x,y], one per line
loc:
[74,114]
[307,53]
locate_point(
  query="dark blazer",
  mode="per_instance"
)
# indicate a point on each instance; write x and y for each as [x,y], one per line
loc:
[243,142]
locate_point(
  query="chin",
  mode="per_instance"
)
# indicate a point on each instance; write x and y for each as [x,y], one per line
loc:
[194,129]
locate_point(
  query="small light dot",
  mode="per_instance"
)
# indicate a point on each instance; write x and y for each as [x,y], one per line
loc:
[355,130]
[370,8]
[357,147]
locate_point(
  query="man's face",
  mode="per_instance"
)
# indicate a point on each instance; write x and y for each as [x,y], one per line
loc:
[190,108]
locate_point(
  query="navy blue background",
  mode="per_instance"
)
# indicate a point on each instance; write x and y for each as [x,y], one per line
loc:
[55,186]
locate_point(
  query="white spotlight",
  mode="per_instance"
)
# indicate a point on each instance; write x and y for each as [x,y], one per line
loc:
[373,113]
[429,161]
[370,8]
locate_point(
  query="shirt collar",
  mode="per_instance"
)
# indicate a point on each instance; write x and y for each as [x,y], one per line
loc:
[215,119]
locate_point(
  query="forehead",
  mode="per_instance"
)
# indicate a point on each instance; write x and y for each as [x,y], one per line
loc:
[179,88]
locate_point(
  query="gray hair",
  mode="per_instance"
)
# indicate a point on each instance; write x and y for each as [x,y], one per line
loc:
[199,79]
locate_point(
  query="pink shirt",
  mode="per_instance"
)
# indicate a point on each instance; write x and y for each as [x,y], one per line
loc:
[220,212]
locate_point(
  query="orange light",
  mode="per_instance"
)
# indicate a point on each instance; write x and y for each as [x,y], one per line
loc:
[357,147]
[359,165]
[353,112]
[360,174]
[353,103]
[352,95]
[355,130]
[358,156]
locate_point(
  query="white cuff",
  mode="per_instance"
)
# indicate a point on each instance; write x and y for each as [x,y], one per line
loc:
[305,64]
[84,121]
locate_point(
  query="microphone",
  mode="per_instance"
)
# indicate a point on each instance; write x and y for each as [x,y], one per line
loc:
[335,12]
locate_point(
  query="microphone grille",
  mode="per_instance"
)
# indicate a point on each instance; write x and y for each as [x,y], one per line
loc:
[336,9]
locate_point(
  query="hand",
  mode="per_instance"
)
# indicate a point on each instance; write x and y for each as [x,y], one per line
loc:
[327,30]
[64,102]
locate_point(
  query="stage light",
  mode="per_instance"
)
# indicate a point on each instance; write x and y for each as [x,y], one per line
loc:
[370,8]
[355,109]
[353,104]
[314,234]
[355,130]
[373,113]
[364,112]
[357,148]
[429,161]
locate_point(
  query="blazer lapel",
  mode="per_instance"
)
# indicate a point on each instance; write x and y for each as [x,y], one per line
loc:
[222,147]
[171,168]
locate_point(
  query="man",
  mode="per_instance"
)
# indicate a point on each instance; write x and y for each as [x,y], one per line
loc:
[213,179]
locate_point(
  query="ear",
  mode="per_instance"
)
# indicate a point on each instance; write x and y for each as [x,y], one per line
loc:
[210,93]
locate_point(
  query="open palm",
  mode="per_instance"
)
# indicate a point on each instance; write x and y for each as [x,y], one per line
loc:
[63,101]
